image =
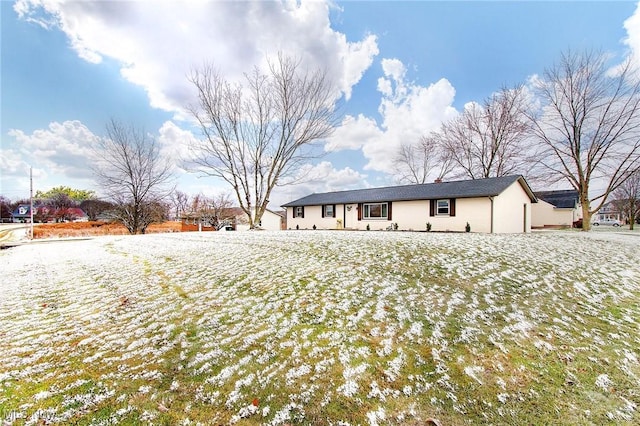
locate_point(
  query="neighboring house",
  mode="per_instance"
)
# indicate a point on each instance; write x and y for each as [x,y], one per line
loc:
[608,211]
[22,213]
[41,213]
[271,221]
[228,219]
[500,205]
[235,220]
[76,214]
[556,209]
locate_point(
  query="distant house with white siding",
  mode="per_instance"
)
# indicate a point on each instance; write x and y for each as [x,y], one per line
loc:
[271,221]
[492,205]
[230,219]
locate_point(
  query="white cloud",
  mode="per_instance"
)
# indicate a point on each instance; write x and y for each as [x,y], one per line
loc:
[175,144]
[158,43]
[12,164]
[64,149]
[353,133]
[408,111]
[394,68]
[632,26]
[322,177]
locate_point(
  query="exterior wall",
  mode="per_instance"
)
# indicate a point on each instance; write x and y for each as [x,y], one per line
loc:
[271,221]
[313,216]
[512,210]
[409,215]
[546,214]
[474,211]
[511,214]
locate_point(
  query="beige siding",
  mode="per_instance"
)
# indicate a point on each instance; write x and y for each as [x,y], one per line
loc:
[313,216]
[409,215]
[512,210]
[545,214]
[270,222]
[475,211]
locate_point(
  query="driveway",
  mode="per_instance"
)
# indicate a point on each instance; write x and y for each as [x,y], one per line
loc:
[12,233]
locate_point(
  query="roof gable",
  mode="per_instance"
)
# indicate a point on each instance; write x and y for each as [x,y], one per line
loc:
[563,199]
[458,189]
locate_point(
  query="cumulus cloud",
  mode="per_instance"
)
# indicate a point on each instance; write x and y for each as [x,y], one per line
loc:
[12,163]
[353,133]
[408,111]
[175,144]
[63,149]
[632,26]
[64,152]
[158,43]
[322,177]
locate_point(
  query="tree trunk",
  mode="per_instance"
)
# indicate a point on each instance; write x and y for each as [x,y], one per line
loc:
[586,212]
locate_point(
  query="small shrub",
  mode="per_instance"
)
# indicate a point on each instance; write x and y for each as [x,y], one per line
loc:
[428,226]
[467,228]
[297,226]
[314,227]
[368,227]
[395,226]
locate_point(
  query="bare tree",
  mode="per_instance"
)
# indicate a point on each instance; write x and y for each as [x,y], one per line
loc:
[216,211]
[417,163]
[5,209]
[179,202]
[133,175]
[94,208]
[256,135]
[488,140]
[627,199]
[589,126]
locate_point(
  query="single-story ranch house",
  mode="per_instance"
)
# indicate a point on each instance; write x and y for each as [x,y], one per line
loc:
[500,205]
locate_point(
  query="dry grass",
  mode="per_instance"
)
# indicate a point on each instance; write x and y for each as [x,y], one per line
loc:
[322,328]
[97,228]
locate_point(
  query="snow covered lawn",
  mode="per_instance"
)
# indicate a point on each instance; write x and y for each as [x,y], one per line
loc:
[322,328]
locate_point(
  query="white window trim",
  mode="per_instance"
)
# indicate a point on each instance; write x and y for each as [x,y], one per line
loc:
[367,210]
[448,213]
[297,212]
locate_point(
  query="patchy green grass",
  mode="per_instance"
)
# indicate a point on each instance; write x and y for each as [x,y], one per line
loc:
[322,328]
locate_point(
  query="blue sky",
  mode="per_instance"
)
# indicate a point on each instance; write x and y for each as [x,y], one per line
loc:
[402,67]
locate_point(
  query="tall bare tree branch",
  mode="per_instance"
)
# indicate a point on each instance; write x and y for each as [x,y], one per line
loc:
[258,134]
[488,140]
[627,199]
[133,175]
[417,163]
[589,126]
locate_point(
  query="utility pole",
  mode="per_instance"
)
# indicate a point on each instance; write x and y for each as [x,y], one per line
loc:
[31,200]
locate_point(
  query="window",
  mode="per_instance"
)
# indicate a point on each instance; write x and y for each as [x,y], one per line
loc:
[375,211]
[329,210]
[298,211]
[443,207]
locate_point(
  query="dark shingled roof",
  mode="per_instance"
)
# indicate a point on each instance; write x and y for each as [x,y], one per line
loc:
[564,199]
[460,189]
